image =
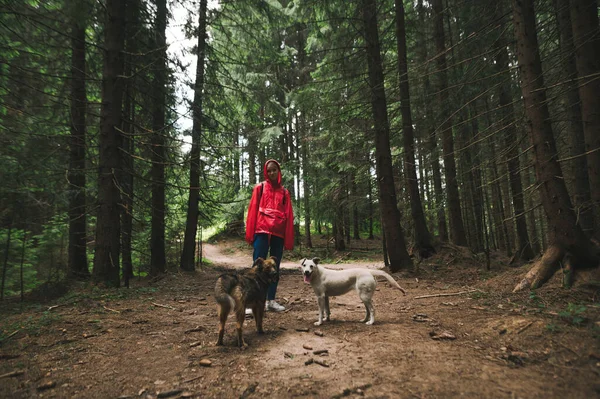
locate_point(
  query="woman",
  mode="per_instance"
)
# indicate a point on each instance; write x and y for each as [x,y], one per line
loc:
[270,222]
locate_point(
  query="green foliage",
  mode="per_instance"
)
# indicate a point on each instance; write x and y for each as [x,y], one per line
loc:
[19,243]
[574,314]
[536,300]
[553,328]
[33,325]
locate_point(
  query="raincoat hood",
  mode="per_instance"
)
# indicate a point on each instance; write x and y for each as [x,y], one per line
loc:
[266,175]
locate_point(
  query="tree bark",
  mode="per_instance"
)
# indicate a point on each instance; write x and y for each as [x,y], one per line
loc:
[507,116]
[78,263]
[5,262]
[473,152]
[251,159]
[157,172]
[106,261]
[431,139]
[189,242]
[338,224]
[586,35]
[577,168]
[397,252]
[423,242]
[457,229]
[129,142]
[303,132]
[564,235]
[355,214]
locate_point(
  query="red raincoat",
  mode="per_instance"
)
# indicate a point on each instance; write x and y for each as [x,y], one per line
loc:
[270,210]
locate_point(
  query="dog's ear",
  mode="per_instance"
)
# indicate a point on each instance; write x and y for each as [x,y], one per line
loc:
[274,259]
[258,262]
[316,261]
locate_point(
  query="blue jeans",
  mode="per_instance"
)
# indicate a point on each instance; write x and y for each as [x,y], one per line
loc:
[263,249]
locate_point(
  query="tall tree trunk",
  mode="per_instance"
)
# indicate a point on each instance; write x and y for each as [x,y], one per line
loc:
[338,224]
[78,263]
[371,211]
[157,172]
[457,229]
[507,116]
[499,213]
[235,173]
[306,192]
[191,226]
[347,206]
[423,242]
[577,168]
[396,247]
[355,215]
[5,262]
[431,139]
[22,263]
[251,159]
[303,132]
[586,35]
[474,165]
[108,237]
[532,219]
[565,235]
[129,142]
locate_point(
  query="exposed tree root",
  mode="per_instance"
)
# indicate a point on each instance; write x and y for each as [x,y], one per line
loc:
[555,257]
[543,269]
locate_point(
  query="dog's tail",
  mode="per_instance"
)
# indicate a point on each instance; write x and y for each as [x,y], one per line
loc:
[224,300]
[388,277]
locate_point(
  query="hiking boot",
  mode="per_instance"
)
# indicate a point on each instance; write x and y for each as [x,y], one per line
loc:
[274,306]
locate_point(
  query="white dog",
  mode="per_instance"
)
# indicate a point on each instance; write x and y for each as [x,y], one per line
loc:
[328,282]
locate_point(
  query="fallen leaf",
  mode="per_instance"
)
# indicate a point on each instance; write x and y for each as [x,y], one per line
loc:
[443,335]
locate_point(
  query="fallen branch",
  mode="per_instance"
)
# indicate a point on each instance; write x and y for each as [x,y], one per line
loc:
[193,379]
[445,294]
[53,307]
[9,335]
[168,394]
[341,258]
[112,310]
[163,306]
[15,373]
[525,328]
[197,329]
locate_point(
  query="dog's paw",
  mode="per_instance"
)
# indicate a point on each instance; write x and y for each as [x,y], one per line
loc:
[370,322]
[318,323]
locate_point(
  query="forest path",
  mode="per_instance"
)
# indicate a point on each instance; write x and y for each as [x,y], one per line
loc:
[157,340]
[225,255]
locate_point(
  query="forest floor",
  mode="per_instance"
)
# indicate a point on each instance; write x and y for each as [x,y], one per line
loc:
[157,338]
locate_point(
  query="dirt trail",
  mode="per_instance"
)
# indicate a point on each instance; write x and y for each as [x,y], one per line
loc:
[243,258]
[157,340]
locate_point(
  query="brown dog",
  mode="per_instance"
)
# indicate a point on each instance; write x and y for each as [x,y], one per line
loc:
[241,290]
